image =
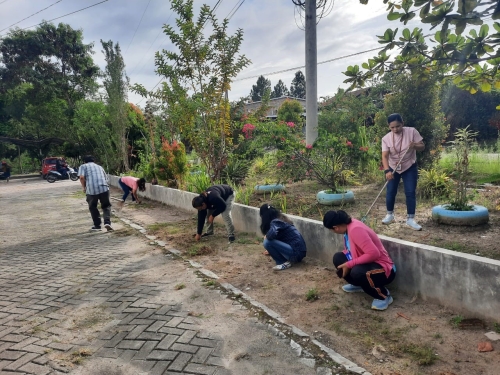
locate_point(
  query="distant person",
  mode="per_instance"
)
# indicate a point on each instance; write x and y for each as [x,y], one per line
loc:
[131,185]
[216,200]
[5,171]
[95,184]
[61,167]
[394,149]
[282,241]
[364,263]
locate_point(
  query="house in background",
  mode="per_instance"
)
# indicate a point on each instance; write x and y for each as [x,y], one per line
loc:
[274,104]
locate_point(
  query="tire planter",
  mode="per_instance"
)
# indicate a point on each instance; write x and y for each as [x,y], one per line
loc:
[329,199]
[479,215]
[270,188]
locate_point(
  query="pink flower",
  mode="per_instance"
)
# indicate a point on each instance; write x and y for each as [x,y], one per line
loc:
[247,129]
[309,147]
[283,139]
[290,124]
[348,143]
[280,164]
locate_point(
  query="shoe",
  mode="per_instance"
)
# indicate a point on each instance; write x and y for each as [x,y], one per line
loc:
[231,239]
[281,267]
[108,227]
[349,288]
[206,234]
[389,218]
[95,228]
[382,304]
[413,224]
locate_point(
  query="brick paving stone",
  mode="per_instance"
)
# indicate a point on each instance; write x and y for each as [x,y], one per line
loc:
[21,361]
[136,332]
[204,342]
[186,326]
[146,322]
[35,349]
[180,362]
[130,344]
[171,331]
[146,314]
[41,360]
[185,348]
[167,342]
[174,322]
[33,368]
[186,337]
[22,344]
[11,355]
[109,353]
[115,340]
[155,326]
[196,368]
[60,346]
[151,336]
[202,355]
[14,338]
[127,355]
[146,349]
[216,361]
[162,355]
[159,368]
[4,364]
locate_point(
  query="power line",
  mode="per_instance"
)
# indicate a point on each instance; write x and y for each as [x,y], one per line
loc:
[137,28]
[40,11]
[301,67]
[231,16]
[64,15]
[151,45]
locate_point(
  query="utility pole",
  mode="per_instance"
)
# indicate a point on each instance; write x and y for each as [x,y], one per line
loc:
[311,72]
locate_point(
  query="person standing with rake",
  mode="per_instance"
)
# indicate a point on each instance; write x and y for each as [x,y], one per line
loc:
[399,159]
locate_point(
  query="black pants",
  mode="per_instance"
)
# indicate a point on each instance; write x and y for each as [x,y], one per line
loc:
[371,277]
[92,200]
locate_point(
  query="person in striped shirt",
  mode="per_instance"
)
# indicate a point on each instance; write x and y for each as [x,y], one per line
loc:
[95,185]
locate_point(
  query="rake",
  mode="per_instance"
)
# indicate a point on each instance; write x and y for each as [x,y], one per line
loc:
[365,217]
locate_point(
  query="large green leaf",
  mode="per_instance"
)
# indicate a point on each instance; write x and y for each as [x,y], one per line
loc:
[394,16]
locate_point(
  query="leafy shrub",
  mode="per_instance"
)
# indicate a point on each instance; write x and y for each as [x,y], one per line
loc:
[172,163]
[197,182]
[434,183]
[235,171]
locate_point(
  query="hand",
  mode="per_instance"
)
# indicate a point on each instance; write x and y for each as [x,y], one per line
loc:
[210,219]
[389,176]
[345,270]
[84,190]
[197,237]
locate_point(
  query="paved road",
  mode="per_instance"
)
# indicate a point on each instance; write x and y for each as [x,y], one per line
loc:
[77,302]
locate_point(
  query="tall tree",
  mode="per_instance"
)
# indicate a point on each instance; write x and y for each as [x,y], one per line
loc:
[198,74]
[259,89]
[298,86]
[280,90]
[116,84]
[452,55]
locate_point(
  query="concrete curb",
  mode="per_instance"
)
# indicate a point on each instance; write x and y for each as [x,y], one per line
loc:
[304,357]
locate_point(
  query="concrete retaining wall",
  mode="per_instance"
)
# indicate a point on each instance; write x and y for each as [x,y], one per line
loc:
[468,284]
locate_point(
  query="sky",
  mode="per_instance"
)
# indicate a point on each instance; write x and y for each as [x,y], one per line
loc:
[272,39]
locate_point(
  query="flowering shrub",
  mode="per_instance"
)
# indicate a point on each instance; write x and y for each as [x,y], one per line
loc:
[329,161]
[247,130]
[172,163]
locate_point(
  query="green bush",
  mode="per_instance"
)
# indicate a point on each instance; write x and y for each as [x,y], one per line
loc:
[235,170]
[197,182]
[434,183]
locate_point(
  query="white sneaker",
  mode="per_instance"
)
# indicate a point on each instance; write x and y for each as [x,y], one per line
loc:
[413,224]
[389,218]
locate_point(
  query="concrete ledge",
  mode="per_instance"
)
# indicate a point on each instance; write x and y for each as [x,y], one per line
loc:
[468,284]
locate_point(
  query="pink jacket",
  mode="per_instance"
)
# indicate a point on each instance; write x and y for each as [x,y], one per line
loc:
[366,247]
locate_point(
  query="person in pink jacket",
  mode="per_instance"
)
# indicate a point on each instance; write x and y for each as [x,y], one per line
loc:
[364,263]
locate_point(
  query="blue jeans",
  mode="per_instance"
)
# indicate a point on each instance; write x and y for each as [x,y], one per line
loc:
[281,252]
[126,190]
[410,177]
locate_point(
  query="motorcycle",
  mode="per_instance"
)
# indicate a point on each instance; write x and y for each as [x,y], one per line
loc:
[54,176]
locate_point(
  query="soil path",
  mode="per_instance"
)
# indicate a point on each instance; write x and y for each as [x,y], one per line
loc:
[412,337]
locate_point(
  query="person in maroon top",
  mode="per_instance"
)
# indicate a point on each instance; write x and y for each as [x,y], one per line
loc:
[364,263]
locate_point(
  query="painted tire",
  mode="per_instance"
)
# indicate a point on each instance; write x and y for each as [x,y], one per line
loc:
[479,215]
[334,199]
[270,188]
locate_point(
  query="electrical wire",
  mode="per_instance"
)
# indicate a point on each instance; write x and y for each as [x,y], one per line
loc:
[231,16]
[40,11]
[137,28]
[64,15]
